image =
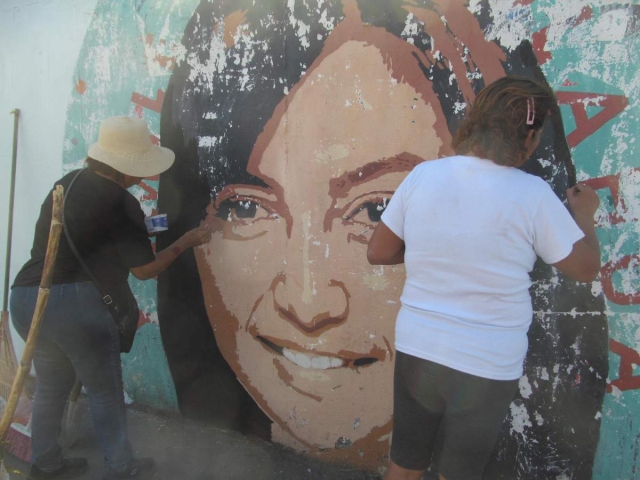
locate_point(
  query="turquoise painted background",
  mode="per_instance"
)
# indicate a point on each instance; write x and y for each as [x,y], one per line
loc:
[589,52]
[600,55]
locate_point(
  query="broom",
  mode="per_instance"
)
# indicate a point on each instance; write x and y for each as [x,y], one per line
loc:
[19,443]
[18,436]
[8,361]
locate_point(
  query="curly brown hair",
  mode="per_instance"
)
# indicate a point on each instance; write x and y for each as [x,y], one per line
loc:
[496,125]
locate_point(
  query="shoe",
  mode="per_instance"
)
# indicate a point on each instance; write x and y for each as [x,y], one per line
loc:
[71,467]
[139,468]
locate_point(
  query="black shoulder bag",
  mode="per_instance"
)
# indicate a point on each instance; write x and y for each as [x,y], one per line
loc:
[123,307]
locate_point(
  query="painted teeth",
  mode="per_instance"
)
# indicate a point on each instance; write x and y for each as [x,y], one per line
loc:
[317,363]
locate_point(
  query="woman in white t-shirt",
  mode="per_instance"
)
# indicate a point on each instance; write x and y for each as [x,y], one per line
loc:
[469,229]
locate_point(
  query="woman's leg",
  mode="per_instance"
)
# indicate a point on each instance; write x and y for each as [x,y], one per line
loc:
[476,410]
[90,339]
[417,413]
[54,380]
[396,472]
[54,376]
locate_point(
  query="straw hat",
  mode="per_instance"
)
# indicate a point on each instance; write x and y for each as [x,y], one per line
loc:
[124,143]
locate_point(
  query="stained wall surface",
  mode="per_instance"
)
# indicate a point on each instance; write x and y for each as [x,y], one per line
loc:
[293,123]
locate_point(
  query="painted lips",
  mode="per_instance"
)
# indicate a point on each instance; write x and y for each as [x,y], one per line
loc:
[316,362]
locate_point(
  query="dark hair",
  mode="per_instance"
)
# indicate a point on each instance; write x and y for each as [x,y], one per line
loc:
[496,125]
[97,166]
[258,67]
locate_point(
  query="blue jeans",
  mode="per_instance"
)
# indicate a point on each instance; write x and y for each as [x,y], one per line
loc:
[78,335]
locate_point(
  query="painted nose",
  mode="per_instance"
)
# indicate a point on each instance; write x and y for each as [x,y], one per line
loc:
[328,308]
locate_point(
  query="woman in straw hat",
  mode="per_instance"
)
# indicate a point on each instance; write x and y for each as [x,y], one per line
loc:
[78,335]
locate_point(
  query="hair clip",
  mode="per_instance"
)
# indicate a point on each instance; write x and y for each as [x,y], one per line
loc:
[531,110]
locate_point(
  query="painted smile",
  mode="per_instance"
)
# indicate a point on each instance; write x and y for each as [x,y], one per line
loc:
[316,362]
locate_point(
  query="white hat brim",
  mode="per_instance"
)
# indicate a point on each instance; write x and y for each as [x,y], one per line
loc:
[149,163]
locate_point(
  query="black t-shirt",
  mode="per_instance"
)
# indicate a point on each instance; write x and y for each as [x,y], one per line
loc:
[107,227]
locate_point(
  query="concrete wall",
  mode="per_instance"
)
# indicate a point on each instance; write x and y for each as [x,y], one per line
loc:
[296,94]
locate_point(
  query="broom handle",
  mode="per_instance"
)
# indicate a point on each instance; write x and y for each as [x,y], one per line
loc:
[14,157]
[41,303]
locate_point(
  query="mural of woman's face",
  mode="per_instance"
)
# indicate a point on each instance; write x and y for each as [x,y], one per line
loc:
[302,318]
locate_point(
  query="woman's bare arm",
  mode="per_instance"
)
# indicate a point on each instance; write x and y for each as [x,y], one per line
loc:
[583,263]
[192,238]
[385,247]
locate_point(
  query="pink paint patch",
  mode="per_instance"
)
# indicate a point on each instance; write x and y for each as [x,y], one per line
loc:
[81,86]
[151,193]
[628,358]
[523,2]
[585,14]
[74,141]
[568,83]
[149,103]
[585,125]
[539,44]
[143,318]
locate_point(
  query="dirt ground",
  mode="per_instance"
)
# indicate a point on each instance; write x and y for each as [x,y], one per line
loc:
[185,450]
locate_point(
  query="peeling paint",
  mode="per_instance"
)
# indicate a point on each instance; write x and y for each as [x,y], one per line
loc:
[332,153]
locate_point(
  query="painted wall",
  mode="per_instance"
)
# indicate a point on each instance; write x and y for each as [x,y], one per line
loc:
[268,107]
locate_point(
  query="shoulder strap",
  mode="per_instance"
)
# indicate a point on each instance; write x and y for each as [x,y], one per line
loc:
[106,298]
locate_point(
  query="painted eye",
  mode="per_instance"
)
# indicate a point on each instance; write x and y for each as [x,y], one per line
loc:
[242,211]
[246,209]
[369,211]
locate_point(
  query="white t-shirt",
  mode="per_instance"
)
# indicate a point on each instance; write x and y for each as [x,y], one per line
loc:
[472,230]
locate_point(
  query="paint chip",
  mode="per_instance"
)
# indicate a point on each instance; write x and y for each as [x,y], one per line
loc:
[81,87]
[342,443]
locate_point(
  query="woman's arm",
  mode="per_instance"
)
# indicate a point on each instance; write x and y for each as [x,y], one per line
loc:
[193,238]
[385,247]
[583,263]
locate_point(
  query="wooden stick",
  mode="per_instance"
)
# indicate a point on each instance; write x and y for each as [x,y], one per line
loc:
[41,303]
[12,190]
[10,353]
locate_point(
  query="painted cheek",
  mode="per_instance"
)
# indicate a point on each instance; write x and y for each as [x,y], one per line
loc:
[244,271]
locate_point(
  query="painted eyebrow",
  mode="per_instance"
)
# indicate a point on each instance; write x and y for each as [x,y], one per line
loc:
[340,186]
[247,189]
